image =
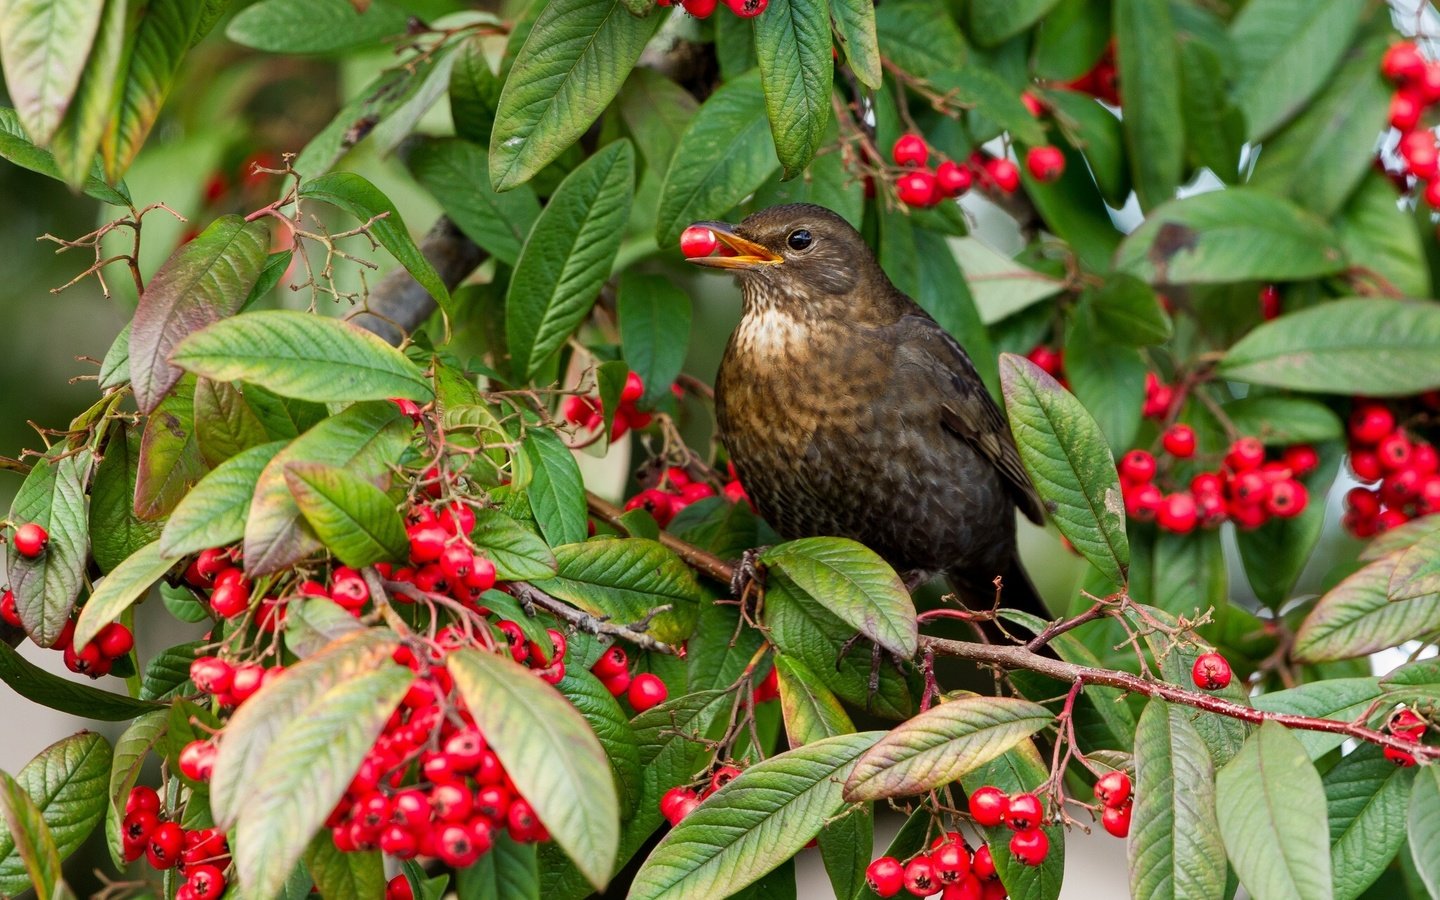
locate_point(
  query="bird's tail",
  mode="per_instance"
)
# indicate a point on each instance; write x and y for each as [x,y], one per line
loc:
[977,589]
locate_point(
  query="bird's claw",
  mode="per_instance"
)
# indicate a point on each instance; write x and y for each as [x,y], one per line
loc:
[877,653]
[748,574]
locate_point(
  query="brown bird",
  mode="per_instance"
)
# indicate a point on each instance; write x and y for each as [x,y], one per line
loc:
[848,411]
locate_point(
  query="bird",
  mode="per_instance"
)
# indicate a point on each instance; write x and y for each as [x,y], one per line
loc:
[848,411]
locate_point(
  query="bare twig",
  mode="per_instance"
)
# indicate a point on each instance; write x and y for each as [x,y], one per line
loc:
[634,633]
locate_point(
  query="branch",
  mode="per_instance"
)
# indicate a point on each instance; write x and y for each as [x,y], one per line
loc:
[530,595]
[700,560]
[1013,657]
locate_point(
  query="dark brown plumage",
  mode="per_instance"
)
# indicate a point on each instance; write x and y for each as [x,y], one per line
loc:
[848,410]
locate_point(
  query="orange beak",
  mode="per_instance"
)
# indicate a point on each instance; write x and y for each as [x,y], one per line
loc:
[738,253]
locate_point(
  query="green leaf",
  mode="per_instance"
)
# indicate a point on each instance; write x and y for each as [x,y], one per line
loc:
[1276,553]
[611,726]
[115,530]
[1071,39]
[920,36]
[723,157]
[995,21]
[556,495]
[225,425]
[301,355]
[793,46]
[366,438]
[568,255]
[168,673]
[369,205]
[942,744]
[1214,125]
[1357,617]
[626,578]
[1374,228]
[283,417]
[44,46]
[855,584]
[306,768]
[1273,818]
[17,147]
[153,56]
[1279,421]
[854,22]
[1367,796]
[169,462]
[53,497]
[508,872]
[656,112]
[1341,699]
[1175,849]
[474,93]
[1154,127]
[456,173]
[810,711]
[356,520]
[1424,826]
[654,331]
[518,553]
[204,281]
[214,512]
[51,691]
[133,745]
[115,367]
[66,784]
[1417,571]
[119,590]
[1127,309]
[1369,346]
[1239,234]
[570,68]
[312,624]
[988,95]
[1108,380]
[77,138]
[1286,50]
[340,874]
[826,182]
[314,26]
[36,858]
[752,824]
[525,720]
[1069,461]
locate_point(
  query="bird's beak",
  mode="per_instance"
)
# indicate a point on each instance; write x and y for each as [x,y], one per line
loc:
[737,252]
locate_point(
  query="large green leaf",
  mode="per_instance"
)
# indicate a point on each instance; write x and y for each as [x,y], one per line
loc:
[656,112]
[1374,228]
[1357,617]
[314,26]
[567,256]
[1214,125]
[1154,126]
[920,36]
[34,849]
[367,438]
[526,721]
[725,154]
[225,424]
[1424,827]
[204,281]
[625,579]
[853,583]
[508,872]
[1366,345]
[942,744]
[654,331]
[1367,796]
[131,749]
[793,46]
[752,824]
[611,725]
[1340,699]
[1175,849]
[570,68]
[1276,553]
[53,497]
[115,530]
[986,94]
[44,46]
[213,513]
[51,691]
[1070,463]
[557,493]
[456,172]
[66,783]
[339,874]
[1127,309]
[518,553]
[156,48]
[1280,420]
[994,21]
[809,710]
[855,33]
[170,462]
[17,147]
[300,355]
[1273,818]
[119,590]
[1108,380]
[1239,234]
[356,520]
[369,205]
[1286,50]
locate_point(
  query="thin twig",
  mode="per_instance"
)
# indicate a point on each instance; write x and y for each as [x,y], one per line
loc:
[634,633]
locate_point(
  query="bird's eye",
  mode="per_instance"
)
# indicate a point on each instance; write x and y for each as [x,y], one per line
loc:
[799,239]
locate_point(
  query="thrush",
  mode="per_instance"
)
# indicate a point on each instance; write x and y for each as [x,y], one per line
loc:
[848,411]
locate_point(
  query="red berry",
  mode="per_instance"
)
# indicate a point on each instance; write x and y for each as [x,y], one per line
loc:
[211,674]
[918,188]
[1302,459]
[634,389]
[660,505]
[231,596]
[142,798]
[611,663]
[1402,62]
[427,541]
[1137,466]
[910,150]
[885,876]
[617,684]
[1406,108]
[166,842]
[8,611]
[1371,422]
[456,846]
[30,540]
[114,640]
[1211,672]
[673,800]
[723,776]
[1418,148]
[1116,819]
[1178,513]
[1142,502]
[398,888]
[1365,465]
[1048,359]
[920,877]
[1287,499]
[952,862]
[135,832]
[1023,813]
[197,760]
[1030,846]
[697,241]
[1045,163]
[1393,450]
[953,178]
[1406,723]
[1179,441]
[700,9]
[457,562]
[1399,757]
[645,691]
[983,864]
[1004,173]
[348,588]
[1113,789]
[988,805]
[1269,302]
[1245,454]
[245,681]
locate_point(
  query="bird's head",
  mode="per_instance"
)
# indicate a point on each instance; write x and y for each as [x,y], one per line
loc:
[796,253]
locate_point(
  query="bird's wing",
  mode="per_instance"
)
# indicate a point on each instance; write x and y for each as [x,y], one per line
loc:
[925,350]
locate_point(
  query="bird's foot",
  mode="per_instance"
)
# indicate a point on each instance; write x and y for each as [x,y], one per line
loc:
[877,655]
[748,576]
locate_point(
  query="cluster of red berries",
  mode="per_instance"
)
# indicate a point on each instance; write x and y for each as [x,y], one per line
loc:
[679,802]
[677,490]
[95,658]
[1417,84]
[1116,802]
[921,186]
[1022,814]
[643,691]
[703,9]
[1211,672]
[1246,489]
[1404,469]
[588,413]
[201,854]
[1407,724]
[1102,81]
[948,868]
